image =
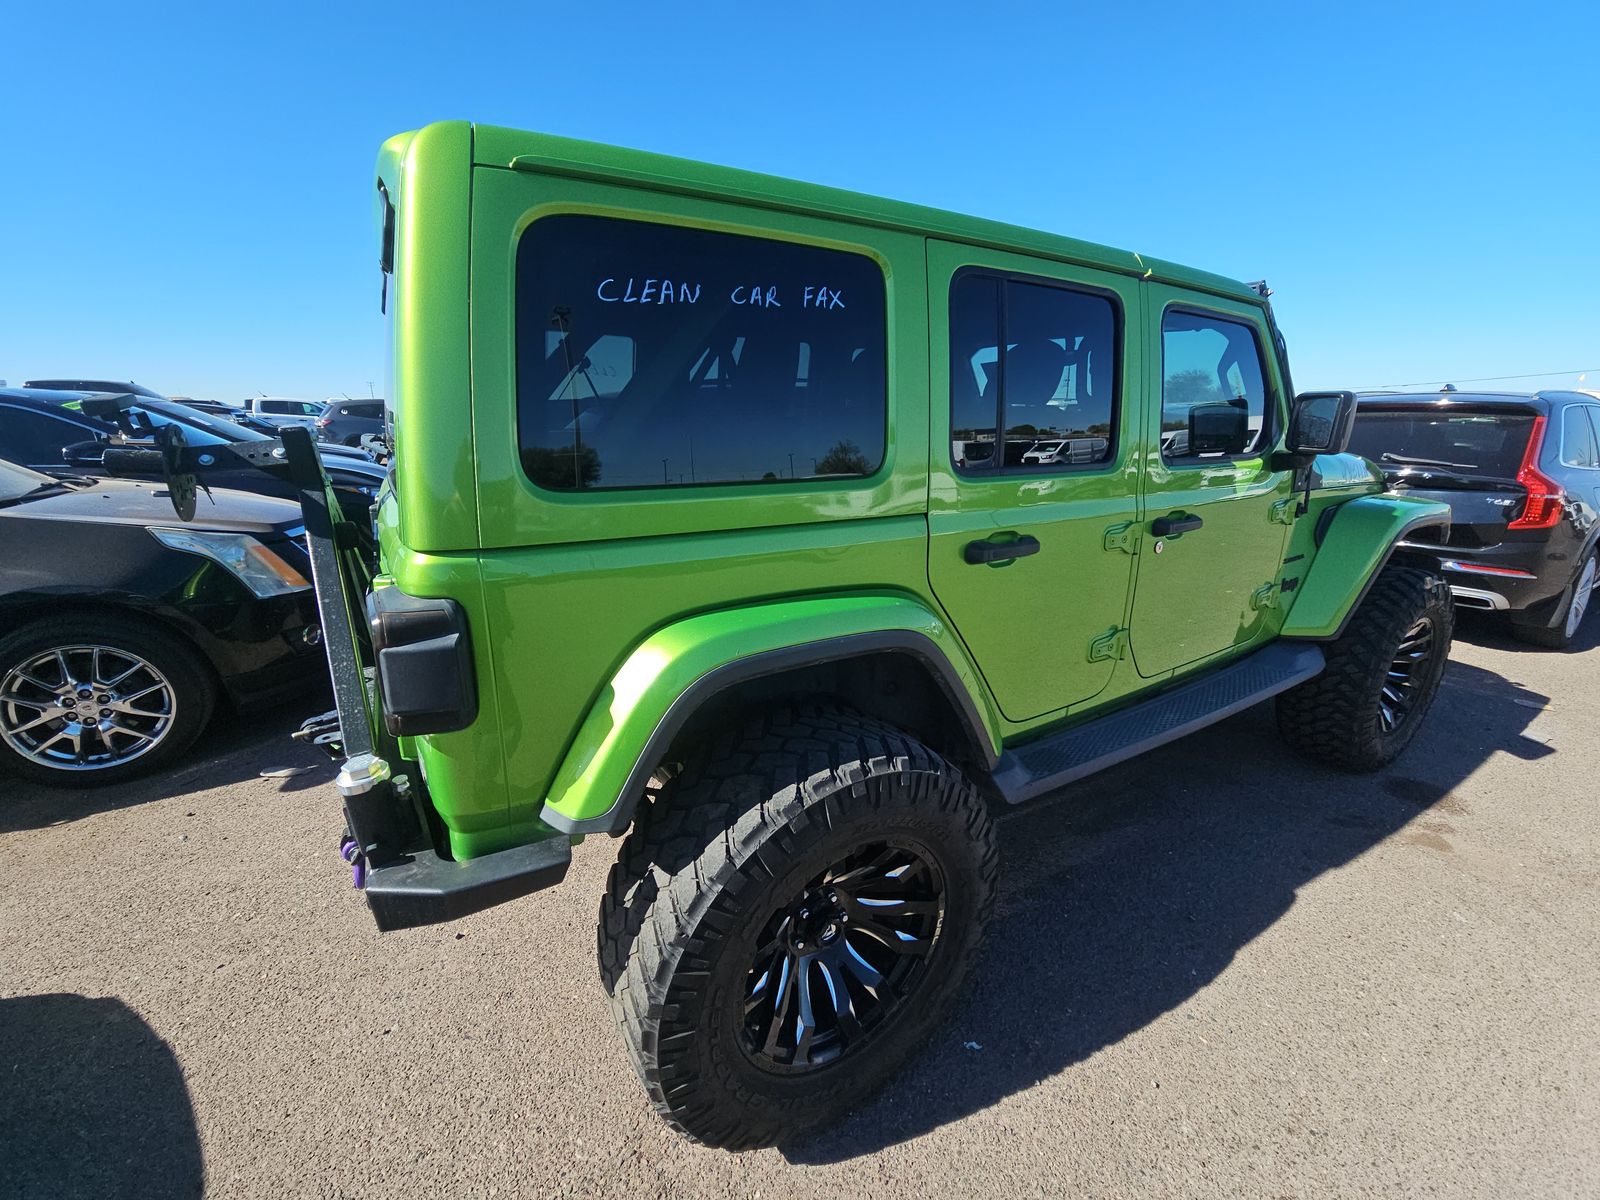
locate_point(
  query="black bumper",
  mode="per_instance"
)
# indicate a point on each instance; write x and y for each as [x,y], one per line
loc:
[424,889]
[1545,578]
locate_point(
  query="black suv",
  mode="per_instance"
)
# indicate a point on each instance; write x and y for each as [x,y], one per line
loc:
[344,422]
[1521,473]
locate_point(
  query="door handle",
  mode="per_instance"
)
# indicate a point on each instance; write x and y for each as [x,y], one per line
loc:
[993,552]
[1167,526]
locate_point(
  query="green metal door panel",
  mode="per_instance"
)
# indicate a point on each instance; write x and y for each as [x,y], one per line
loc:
[1208,590]
[1030,623]
[513,512]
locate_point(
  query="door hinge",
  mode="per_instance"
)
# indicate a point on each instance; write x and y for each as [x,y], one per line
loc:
[1283,512]
[1124,537]
[1265,596]
[1109,645]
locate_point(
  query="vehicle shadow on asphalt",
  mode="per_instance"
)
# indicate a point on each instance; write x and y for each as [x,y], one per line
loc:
[234,748]
[1494,631]
[92,1103]
[1129,893]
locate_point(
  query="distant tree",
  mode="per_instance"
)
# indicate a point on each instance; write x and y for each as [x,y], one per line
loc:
[1190,387]
[769,475]
[561,468]
[843,458]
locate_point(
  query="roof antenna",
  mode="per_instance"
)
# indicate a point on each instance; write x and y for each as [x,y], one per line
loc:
[1449,387]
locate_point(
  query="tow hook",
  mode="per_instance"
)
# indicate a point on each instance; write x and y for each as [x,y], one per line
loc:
[350,851]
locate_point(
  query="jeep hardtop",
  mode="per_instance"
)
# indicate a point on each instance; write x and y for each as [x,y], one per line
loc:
[721,522]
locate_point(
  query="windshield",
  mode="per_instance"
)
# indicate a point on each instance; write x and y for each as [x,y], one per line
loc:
[199,428]
[1488,444]
[16,481]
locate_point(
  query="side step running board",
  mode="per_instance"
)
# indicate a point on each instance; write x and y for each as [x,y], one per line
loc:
[1064,757]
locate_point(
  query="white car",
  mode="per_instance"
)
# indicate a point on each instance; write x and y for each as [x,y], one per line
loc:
[283,410]
[1068,450]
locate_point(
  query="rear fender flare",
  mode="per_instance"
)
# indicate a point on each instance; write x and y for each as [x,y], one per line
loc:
[672,673]
[1357,542]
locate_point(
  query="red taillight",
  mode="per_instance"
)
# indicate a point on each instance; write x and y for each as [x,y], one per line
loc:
[1546,498]
[324,422]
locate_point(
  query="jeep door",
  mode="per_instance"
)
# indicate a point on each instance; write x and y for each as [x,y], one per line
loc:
[1216,512]
[1026,555]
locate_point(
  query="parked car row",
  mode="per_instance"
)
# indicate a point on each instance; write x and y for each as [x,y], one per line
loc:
[124,626]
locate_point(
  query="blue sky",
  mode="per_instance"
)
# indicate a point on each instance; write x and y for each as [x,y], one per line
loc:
[187,195]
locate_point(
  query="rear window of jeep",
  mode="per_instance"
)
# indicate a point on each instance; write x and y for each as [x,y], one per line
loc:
[655,355]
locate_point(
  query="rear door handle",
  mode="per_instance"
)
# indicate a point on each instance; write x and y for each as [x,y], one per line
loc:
[993,552]
[1167,526]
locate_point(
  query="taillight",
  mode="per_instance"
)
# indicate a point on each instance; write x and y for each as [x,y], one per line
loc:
[1546,498]
[324,422]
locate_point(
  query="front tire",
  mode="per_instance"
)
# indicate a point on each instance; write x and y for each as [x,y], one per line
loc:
[789,920]
[1382,675]
[95,698]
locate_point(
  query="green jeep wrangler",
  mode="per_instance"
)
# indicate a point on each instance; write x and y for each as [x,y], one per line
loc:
[785,533]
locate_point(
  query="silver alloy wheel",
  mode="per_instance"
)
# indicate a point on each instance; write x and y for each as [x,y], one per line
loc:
[1581,592]
[85,708]
[1400,684]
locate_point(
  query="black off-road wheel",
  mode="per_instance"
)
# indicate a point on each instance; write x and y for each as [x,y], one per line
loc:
[790,918]
[1382,675]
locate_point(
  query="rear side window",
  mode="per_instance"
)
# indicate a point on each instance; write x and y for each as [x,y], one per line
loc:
[1049,401]
[1483,443]
[655,355]
[1577,439]
[1213,388]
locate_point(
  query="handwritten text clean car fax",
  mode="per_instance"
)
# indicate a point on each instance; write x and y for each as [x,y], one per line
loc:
[665,291]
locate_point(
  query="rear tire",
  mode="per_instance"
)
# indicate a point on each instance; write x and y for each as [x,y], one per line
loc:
[1570,612]
[1382,675]
[789,920]
[166,696]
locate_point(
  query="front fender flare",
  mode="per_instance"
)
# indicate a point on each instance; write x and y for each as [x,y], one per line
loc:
[675,670]
[1360,536]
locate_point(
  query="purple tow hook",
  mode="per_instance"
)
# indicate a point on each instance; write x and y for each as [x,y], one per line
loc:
[350,851]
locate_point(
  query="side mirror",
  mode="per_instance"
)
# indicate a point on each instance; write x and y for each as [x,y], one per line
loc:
[1219,427]
[1321,423]
[84,454]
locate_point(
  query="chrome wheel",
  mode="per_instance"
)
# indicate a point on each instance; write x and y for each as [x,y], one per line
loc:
[1405,675]
[85,708]
[1581,592]
[831,967]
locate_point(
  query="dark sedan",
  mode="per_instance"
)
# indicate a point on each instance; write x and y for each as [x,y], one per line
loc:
[124,627]
[54,431]
[1521,473]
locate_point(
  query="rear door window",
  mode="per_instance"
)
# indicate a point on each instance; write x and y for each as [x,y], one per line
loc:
[656,355]
[1052,392]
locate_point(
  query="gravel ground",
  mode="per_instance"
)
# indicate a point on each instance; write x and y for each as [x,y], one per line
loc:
[1215,971]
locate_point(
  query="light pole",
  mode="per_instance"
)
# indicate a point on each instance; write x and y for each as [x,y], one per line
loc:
[664,477]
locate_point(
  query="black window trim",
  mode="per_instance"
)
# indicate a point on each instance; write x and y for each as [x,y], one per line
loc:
[1113,461]
[874,478]
[1273,419]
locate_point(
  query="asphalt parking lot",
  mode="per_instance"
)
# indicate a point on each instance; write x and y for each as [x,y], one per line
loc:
[1216,971]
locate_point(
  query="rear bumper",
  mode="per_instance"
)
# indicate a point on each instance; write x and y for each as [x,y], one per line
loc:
[1486,588]
[424,889]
